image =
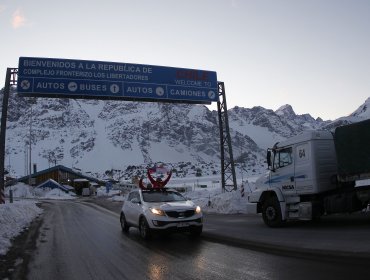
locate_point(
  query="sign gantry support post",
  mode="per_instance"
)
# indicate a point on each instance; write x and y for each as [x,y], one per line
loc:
[11,80]
[228,177]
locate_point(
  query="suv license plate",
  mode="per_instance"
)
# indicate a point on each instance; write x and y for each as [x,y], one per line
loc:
[182,224]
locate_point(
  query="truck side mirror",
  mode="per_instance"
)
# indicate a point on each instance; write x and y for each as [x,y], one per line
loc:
[268,157]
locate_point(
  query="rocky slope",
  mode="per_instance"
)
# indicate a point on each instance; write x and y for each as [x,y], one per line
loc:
[100,136]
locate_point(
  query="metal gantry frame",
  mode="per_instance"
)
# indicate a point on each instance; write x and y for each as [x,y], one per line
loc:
[228,177]
[10,80]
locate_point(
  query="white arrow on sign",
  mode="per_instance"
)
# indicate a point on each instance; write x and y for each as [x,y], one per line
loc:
[72,86]
[114,88]
[159,91]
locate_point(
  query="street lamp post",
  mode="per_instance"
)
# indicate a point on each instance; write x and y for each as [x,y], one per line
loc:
[30,150]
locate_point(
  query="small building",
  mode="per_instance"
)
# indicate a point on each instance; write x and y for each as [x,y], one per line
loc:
[63,176]
[82,186]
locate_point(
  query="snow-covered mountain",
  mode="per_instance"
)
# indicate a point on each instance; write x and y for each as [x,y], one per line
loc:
[362,113]
[266,127]
[98,136]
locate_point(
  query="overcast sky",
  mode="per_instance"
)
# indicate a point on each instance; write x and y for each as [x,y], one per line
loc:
[311,54]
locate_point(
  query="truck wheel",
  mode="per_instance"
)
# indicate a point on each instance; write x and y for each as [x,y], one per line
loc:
[144,229]
[124,226]
[271,212]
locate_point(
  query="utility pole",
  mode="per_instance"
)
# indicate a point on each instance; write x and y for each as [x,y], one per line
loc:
[10,79]
[228,177]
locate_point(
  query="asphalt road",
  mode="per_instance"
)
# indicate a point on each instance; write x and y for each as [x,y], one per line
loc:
[334,236]
[83,241]
[341,235]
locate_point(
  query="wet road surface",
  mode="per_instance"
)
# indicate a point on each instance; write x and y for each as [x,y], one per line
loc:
[83,241]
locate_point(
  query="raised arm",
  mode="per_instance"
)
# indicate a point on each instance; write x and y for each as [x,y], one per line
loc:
[154,183]
[141,185]
[167,179]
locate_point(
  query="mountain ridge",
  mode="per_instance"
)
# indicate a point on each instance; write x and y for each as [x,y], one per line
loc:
[97,136]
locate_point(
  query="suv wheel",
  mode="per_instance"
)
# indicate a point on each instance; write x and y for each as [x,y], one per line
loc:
[144,229]
[124,226]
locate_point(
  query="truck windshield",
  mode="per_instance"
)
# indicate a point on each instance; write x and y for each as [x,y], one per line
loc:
[162,196]
[283,157]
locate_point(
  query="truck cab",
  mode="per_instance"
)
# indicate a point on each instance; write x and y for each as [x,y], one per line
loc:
[298,169]
[315,173]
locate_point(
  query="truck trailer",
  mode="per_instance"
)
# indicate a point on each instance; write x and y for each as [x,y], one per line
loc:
[313,174]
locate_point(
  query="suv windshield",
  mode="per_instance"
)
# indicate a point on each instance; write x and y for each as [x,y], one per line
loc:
[162,196]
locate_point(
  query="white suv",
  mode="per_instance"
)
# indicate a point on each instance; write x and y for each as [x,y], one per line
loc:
[160,210]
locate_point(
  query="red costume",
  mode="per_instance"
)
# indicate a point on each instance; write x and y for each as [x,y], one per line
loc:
[156,184]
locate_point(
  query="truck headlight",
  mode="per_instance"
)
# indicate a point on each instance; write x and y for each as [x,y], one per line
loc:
[198,210]
[157,211]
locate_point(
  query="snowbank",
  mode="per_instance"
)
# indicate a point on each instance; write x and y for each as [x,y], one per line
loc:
[14,217]
[21,190]
[212,200]
[215,201]
[102,191]
[57,194]
[117,198]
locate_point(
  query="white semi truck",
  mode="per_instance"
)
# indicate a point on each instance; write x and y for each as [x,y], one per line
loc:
[313,174]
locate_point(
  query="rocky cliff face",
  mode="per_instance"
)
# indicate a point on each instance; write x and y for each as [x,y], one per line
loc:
[98,136]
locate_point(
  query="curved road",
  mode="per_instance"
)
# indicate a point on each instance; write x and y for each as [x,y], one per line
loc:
[83,241]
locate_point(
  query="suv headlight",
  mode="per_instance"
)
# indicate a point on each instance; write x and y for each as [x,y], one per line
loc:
[198,210]
[157,211]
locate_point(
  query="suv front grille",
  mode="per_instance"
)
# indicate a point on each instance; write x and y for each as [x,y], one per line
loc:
[180,214]
[164,223]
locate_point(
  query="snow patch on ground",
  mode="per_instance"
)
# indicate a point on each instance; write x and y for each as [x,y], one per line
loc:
[57,194]
[14,218]
[22,190]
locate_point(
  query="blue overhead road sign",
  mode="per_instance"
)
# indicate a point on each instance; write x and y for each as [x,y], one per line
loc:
[52,77]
